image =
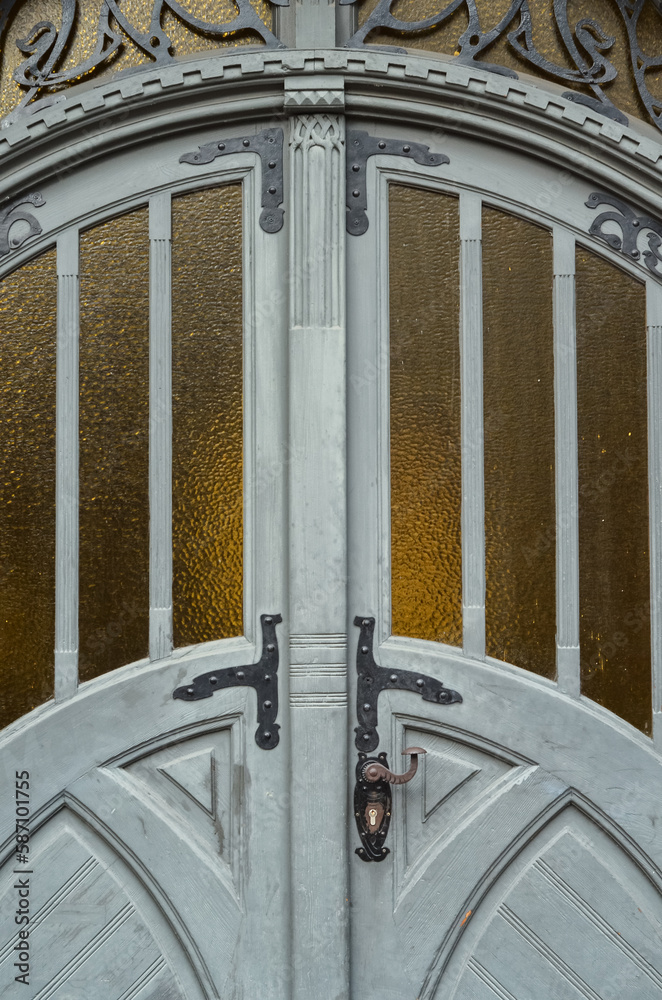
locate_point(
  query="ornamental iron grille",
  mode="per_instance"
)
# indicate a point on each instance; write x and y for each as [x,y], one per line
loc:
[46,46]
[582,44]
[612,60]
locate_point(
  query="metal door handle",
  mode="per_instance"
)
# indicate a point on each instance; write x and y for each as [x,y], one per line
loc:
[372,800]
[374,771]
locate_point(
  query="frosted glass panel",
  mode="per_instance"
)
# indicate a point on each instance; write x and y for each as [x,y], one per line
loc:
[207,416]
[613,490]
[520,519]
[426,488]
[28,304]
[114,432]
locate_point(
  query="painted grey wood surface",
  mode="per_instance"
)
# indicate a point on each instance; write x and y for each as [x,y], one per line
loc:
[178,860]
[317,544]
[159,843]
[526,860]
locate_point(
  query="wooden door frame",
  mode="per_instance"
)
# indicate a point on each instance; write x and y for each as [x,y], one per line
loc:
[231,92]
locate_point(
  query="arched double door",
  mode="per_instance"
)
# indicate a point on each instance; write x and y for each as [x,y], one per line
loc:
[314,413]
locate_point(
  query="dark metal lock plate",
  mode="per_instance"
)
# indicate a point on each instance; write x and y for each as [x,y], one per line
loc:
[372,810]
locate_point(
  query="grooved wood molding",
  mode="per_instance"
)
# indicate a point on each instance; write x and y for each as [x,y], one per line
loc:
[607,53]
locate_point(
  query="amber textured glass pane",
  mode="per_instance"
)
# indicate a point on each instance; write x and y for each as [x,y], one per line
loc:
[520,520]
[426,488]
[207,416]
[28,310]
[614,580]
[114,437]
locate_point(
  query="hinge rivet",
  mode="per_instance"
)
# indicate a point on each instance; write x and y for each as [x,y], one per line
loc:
[240,675]
[270,647]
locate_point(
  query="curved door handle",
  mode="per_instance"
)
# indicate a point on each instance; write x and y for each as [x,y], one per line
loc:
[372,800]
[374,771]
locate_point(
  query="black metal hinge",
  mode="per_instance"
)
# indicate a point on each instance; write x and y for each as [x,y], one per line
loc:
[16,211]
[361,146]
[373,679]
[263,676]
[268,144]
[632,226]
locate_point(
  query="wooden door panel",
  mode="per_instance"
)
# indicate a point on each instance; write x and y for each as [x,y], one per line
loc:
[89,909]
[517,851]
[158,792]
[191,883]
[200,781]
[575,918]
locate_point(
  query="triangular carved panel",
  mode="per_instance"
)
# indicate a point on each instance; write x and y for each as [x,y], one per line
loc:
[193,773]
[194,779]
[456,777]
[443,776]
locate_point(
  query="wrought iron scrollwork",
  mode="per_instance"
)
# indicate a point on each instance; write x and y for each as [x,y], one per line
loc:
[16,212]
[263,676]
[360,146]
[585,44]
[46,45]
[632,227]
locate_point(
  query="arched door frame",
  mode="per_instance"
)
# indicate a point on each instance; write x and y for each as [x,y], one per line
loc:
[239,93]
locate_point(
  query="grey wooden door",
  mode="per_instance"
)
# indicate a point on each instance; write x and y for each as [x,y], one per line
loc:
[157,827]
[525,854]
[170,855]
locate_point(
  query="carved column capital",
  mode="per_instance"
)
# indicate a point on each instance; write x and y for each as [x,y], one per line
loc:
[303,93]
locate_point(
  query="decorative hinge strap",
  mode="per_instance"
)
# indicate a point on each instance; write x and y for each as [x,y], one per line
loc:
[263,676]
[372,679]
[15,211]
[268,144]
[632,227]
[360,146]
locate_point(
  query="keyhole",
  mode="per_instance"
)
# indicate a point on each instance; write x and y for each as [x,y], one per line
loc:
[372,814]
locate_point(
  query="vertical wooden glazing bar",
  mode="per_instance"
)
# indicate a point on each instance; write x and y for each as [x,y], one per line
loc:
[66,490]
[160,427]
[567,473]
[654,360]
[473,483]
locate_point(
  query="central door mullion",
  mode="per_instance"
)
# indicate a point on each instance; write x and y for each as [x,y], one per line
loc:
[318,540]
